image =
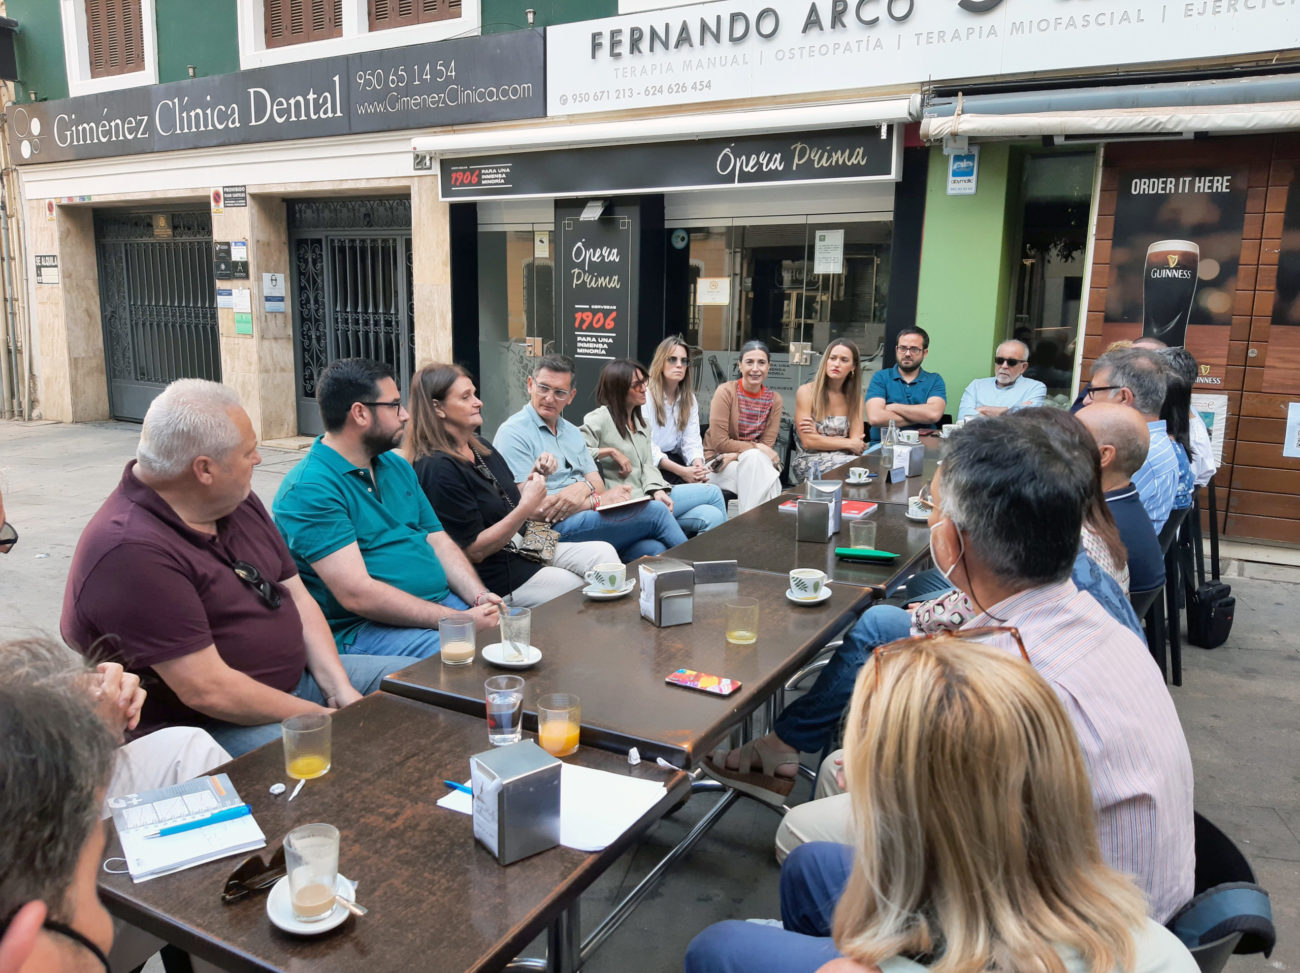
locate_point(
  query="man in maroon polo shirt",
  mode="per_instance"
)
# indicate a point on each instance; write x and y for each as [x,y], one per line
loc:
[182,578]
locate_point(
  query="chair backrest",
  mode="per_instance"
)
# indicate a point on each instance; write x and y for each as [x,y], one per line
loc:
[1143,600]
[1170,530]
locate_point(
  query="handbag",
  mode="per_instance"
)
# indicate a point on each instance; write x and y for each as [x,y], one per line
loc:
[537,540]
[1210,608]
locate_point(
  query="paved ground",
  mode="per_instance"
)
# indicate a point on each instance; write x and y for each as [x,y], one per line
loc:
[1238,705]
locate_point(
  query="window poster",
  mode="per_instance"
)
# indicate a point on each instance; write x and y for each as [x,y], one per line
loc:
[1174,260]
[1282,369]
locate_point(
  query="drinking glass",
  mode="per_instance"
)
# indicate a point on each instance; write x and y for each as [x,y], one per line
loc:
[742,621]
[311,859]
[559,717]
[306,745]
[862,533]
[456,639]
[505,709]
[516,633]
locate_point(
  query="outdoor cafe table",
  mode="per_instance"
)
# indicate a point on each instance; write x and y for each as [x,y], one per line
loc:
[438,900]
[877,489]
[616,662]
[764,540]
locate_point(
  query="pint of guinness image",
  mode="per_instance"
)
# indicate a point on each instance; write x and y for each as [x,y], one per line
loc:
[1168,286]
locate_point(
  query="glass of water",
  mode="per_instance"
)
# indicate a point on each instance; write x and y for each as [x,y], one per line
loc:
[505,709]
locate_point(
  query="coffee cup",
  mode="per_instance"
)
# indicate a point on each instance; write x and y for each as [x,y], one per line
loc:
[807,583]
[909,436]
[607,577]
[916,508]
[948,429]
[858,474]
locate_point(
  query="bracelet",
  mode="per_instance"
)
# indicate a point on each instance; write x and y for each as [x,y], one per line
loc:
[479,599]
[595,500]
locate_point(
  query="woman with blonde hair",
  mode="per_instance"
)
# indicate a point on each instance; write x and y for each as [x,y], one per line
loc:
[975,844]
[828,414]
[672,414]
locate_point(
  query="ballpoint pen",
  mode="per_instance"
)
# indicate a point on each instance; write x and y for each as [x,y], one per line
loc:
[226,814]
[463,788]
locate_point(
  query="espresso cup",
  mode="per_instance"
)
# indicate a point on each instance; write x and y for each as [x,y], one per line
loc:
[807,583]
[607,577]
[916,508]
[949,428]
[858,474]
[909,436]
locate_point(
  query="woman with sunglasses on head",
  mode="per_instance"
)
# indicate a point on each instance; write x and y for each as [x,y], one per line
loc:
[828,414]
[974,844]
[672,414]
[620,443]
[744,420]
[475,496]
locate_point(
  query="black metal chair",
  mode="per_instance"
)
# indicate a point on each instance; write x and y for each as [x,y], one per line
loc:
[1150,607]
[1229,913]
[1173,572]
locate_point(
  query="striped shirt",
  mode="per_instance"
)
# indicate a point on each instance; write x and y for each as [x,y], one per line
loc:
[1132,742]
[754,409]
[1157,479]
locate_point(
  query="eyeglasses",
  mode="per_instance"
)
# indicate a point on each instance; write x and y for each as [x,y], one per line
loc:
[1090,390]
[675,360]
[395,404]
[909,349]
[252,577]
[1010,362]
[253,875]
[961,633]
[638,385]
[546,391]
[8,537]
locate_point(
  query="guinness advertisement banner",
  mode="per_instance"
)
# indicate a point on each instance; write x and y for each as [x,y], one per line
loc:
[1174,260]
[498,77]
[869,154]
[1282,370]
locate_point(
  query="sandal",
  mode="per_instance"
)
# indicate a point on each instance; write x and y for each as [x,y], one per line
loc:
[765,785]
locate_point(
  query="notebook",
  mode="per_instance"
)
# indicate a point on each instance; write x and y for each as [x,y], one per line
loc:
[137,815]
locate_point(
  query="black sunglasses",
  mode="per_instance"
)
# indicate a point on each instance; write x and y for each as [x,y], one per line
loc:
[253,875]
[266,590]
[8,537]
[1013,362]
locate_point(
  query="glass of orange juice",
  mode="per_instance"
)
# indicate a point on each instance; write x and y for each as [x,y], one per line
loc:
[306,745]
[559,715]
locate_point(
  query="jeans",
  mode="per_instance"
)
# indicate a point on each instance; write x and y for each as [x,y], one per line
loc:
[647,528]
[365,672]
[808,722]
[698,507]
[374,638]
[927,585]
[812,881]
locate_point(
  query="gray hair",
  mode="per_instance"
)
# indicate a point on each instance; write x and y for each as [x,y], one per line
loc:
[1016,341]
[1019,495]
[189,419]
[1182,361]
[1141,372]
[56,756]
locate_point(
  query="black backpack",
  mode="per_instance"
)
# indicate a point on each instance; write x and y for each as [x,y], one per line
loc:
[1211,606]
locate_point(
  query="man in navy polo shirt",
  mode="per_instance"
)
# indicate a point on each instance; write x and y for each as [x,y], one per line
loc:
[906,394]
[363,534]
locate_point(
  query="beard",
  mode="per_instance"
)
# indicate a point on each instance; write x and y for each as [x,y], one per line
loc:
[376,442]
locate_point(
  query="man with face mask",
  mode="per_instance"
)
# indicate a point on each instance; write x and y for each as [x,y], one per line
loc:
[1008,508]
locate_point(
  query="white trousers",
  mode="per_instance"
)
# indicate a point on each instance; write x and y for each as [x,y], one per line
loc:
[565,572]
[827,817]
[752,478]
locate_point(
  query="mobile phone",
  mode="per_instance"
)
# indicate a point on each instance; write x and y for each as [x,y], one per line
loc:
[715,464]
[690,679]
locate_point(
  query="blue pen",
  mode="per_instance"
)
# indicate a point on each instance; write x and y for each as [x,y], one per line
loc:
[226,814]
[463,788]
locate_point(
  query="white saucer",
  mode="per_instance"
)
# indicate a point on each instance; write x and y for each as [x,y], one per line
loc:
[907,512]
[496,654]
[600,594]
[825,593]
[280,910]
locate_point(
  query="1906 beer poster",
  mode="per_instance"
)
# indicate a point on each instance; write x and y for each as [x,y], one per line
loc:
[1174,260]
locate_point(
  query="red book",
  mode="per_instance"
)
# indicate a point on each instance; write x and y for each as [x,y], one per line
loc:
[852,509]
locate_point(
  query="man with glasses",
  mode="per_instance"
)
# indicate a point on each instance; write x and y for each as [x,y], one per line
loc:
[1008,389]
[906,394]
[538,437]
[370,548]
[182,578]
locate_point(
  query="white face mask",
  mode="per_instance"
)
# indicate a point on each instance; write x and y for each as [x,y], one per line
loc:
[961,552]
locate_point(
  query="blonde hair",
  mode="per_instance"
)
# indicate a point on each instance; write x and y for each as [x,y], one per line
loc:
[852,385]
[976,842]
[655,382]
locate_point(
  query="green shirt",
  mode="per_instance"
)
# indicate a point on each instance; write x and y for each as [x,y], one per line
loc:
[599,431]
[325,503]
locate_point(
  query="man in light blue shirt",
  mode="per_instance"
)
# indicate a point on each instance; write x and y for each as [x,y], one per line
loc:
[1136,378]
[538,437]
[1008,388]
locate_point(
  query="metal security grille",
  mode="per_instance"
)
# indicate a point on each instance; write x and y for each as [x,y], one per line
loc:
[352,290]
[157,304]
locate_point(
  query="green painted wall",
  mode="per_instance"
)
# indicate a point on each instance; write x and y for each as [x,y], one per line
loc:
[199,32]
[964,281]
[39,49]
[503,15]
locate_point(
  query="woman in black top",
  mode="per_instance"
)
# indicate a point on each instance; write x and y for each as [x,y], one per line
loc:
[474,494]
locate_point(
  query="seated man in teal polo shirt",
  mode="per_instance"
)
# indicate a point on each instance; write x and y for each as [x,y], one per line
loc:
[366,541]
[906,394]
[538,437]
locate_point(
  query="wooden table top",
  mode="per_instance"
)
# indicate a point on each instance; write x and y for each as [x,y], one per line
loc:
[437,898]
[877,489]
[616,662]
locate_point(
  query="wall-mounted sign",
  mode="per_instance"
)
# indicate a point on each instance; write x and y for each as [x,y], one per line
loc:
[828,252]
[713,291]
[225,298]
[468,79]
[217,200]
[963,172]
[221,261]
[243,300]
[236,196]
[47,268]
[754,49]
[1173,260]
[1282,367]
[243,323]
[162,226]
[1213,410]
[273,293]
[870,154]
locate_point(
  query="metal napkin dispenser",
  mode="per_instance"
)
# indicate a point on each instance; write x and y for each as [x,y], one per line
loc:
[516,800]
[667,591]
[832,490]
[812,521]
[911,458]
